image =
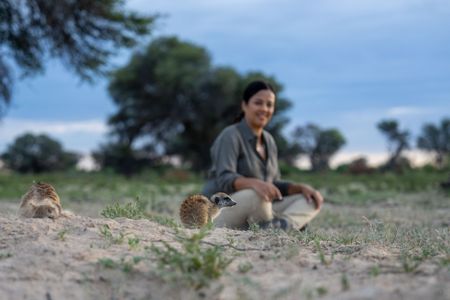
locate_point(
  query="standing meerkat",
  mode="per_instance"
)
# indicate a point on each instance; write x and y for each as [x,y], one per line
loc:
[197,210]
[41,201]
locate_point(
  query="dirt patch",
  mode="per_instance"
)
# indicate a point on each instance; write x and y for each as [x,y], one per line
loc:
[69,259]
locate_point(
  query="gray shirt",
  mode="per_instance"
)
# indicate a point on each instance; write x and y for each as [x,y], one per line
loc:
[234,155]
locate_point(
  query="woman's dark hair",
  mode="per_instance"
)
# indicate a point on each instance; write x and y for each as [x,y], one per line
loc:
[251,89]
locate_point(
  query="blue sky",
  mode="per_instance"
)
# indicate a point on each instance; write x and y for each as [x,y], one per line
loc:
[344,64]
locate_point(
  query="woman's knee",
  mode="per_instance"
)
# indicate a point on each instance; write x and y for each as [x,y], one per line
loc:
[255,207]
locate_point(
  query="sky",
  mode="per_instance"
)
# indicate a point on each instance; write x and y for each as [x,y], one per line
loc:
[344,64]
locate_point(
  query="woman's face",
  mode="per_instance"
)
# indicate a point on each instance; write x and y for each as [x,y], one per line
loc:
[259,109]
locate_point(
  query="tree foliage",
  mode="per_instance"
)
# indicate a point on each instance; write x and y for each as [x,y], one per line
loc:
[83,34]
[37,153]
[123,159]
[170,96]
[319,144]
[398,141]
[436,138]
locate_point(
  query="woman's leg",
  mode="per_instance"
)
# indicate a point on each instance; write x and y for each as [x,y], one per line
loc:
[296,210]
[250,208]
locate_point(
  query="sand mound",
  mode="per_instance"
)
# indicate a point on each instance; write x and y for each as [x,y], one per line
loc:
[68,259]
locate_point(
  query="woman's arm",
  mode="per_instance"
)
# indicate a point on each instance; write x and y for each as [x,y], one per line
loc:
[268,191]
[224,153]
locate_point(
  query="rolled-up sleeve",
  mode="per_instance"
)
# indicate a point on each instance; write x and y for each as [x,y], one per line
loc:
[225,154]
[283,186]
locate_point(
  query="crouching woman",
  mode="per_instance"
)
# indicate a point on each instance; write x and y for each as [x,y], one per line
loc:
[245,165]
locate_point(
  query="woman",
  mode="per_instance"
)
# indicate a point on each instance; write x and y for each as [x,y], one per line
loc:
[245,165]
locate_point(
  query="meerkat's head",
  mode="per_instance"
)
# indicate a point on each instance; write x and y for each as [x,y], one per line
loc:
[222,200]
[48,210]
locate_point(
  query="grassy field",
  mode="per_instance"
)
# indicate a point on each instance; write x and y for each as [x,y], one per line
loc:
[104,187]
[373,228]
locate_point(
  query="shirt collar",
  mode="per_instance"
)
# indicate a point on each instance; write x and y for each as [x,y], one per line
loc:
[247,132]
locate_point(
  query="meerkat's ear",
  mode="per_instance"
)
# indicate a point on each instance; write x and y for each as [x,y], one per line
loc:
[216,199]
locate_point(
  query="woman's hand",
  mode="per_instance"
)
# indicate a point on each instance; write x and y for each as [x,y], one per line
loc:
[308,192]
[266,190]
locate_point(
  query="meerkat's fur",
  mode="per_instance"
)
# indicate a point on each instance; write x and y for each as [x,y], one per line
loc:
[42,201]
[197,210]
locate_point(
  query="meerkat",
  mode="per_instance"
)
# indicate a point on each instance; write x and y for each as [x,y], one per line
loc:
[197,210]
[42,201]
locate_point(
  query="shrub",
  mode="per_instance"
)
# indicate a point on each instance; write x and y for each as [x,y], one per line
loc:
[38,153]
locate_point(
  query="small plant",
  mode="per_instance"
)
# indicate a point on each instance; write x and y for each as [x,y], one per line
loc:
[107,263]
[133,242]
[307,236]
[62,235]
[126,265]
[322,257]
[131,210]
[5,255]
[346,238]
[254,227]
[374,271]
[107,234]
[197,265]
[321,291]
[245,267]
[445,261]
[136,210]
[410,263]
[345,284]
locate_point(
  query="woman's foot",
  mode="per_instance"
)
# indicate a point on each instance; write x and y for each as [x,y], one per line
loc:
[276,223]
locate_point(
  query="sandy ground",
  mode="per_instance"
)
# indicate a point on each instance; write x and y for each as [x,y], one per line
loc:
[45,259]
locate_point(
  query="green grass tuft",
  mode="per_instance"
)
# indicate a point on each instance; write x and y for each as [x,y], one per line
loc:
[194,264]
[131,210]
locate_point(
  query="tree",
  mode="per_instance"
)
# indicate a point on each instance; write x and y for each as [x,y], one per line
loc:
[319,144]
[38,153]
[170,96]
[398,141]
[123,159]
[84,34]
[359,165]
[436,138]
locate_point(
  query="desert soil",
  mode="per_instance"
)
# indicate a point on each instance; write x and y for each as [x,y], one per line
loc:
[46,259]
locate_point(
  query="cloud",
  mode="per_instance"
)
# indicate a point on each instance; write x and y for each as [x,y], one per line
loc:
[374,159]
[402,111]
[81,135]
[417,158]
[12,127]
